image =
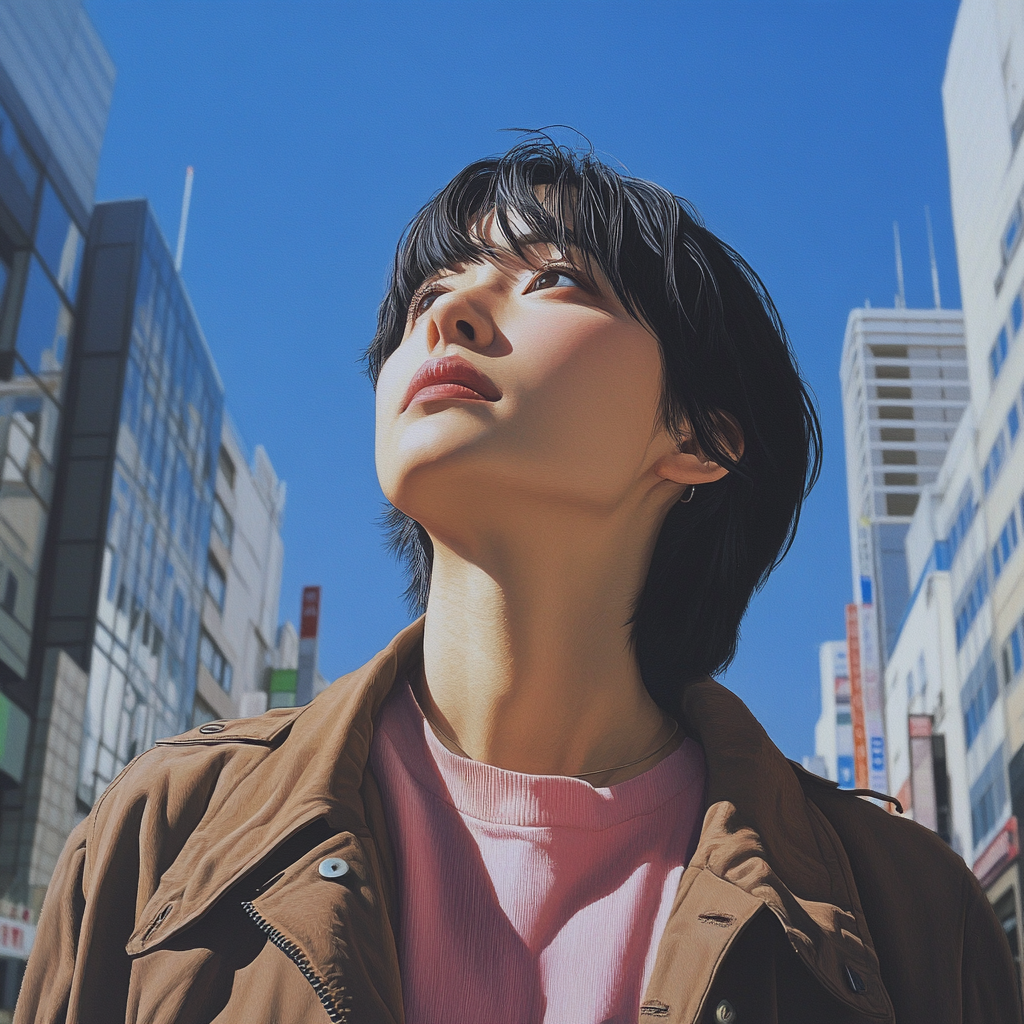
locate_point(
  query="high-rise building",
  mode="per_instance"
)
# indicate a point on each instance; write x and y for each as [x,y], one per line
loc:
[904,389]
[125,579]
[56,81]
[904,386]
[981,512]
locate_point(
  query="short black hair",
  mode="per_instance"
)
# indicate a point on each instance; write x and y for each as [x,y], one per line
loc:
[723,350]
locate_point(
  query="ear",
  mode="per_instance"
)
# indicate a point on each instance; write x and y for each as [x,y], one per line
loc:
[690,466]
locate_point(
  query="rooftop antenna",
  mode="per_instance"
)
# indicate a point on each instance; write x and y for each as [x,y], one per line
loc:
[901,295]
[186,199]
[931,256]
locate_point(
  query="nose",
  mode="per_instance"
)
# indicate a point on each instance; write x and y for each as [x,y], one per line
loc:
[457,318]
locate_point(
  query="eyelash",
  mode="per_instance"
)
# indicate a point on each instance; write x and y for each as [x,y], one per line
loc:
[425,291]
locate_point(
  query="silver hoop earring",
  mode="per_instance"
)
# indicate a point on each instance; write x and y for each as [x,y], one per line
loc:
[688,494]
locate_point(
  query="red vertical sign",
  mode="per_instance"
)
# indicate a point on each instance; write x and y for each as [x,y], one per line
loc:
[860,742]
[309,624]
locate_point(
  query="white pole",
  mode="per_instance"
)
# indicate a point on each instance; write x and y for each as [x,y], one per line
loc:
[186,199]
[901,295]
[931,255]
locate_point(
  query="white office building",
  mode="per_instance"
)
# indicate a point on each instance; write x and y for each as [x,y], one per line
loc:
[983,103]
[239,638]
[904,385]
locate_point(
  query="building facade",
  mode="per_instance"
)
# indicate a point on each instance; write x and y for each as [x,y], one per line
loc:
[983,105]
[904,388]
[243,584]
[833,734]
[56,81]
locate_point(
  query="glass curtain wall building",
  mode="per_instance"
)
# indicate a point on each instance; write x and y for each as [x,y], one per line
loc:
[133,508]
[55,87]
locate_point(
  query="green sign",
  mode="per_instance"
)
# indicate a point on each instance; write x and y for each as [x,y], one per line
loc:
[283,680]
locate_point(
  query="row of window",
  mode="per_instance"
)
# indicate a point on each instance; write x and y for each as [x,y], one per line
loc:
[1007,334]
[1013,654]
[216,664]
[988,798]
[1001,446]
[1005,545]
[223,524]
[971,603]
[216,582]
[965,513]
[982,701]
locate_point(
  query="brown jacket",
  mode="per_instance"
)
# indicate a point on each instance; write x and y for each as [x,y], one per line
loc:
[191,893]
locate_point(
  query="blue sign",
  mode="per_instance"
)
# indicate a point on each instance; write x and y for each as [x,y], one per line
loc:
[844,769]
[877,754]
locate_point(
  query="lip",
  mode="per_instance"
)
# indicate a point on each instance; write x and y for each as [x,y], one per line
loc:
[450,377]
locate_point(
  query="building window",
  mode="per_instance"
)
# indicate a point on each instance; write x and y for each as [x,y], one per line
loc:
[985,683]
[216,584]
[226,467]
[971,603]
[994,462]
[16,155]
[1013,654]
[1013,422]
[965,512]
[10,598]
[894,392]
[893,457]
[900,479]
[214,662]
[1005,545]
[895,412]
[1012,232]
[997,356]
[223,524]
[896,434]
[900,504]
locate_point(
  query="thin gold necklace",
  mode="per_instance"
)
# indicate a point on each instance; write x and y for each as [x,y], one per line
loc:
[582,775]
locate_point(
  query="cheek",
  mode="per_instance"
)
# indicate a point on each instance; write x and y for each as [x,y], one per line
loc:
[607,380]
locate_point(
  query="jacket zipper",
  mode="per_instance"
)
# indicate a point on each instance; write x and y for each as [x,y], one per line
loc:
[334,1012]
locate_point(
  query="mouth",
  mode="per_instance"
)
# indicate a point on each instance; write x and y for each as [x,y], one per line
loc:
[450,377]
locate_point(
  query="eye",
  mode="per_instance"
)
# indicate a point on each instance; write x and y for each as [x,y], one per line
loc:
[553,277]
[423,300]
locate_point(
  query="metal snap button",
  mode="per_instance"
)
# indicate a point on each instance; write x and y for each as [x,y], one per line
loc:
[333,867]
[855,981]
[212,727]
[725,1013]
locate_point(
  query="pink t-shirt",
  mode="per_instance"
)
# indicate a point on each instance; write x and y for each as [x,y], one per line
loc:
[528,898]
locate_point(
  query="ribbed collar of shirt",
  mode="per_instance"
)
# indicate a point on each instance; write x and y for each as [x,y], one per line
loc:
[504,797]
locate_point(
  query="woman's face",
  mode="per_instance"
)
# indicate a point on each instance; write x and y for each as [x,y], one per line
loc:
[518,379]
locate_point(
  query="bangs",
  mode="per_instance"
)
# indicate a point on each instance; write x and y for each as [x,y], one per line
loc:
[537,194]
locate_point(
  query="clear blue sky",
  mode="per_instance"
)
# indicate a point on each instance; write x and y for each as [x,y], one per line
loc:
[799,130]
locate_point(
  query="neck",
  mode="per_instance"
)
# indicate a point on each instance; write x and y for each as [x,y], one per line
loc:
[528,663]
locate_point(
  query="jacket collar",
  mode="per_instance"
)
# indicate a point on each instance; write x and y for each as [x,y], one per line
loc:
[764,847]
[763,843]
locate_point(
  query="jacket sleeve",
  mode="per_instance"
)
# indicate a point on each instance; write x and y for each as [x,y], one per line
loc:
[49,978]
[990,981]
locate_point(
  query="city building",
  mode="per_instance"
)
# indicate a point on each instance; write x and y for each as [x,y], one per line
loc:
[983,105]
[833,734]
[56,81]
[238,639]
[904,388]
[160,577]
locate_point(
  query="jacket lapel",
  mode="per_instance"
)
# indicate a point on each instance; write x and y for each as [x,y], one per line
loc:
[763,846]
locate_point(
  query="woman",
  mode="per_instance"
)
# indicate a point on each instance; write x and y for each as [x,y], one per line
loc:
[536,805]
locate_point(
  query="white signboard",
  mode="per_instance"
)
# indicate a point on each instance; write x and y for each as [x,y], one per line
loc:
[16,938]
